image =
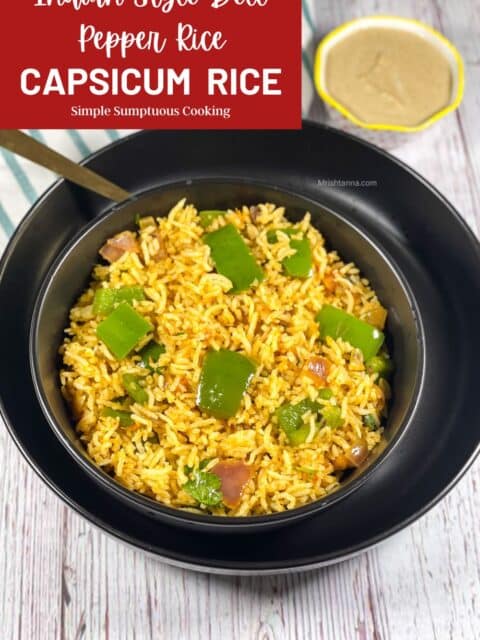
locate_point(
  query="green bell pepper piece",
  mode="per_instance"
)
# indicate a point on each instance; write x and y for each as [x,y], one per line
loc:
[300,264]
[122,330]
[105,300]
[224,379]
[124,418]
[290,420]
[207,217]
[233,258]
[339,324]
[132,386]
[381,365]
[151,353]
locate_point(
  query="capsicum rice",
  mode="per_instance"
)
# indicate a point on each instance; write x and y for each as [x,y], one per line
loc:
[226,362]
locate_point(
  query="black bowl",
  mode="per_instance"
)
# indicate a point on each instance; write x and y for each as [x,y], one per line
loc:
[431,247]
[70,274]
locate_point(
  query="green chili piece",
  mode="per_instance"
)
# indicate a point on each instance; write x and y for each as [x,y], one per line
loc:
[122,329]
[300,264]
[207,217]
[151,353]
[232,258]
[339,324]
[332,416]
[371,422]
[381,365]
[105,300]
[290,420]
[124,418]
[132,386]
[325,394]
[224,380]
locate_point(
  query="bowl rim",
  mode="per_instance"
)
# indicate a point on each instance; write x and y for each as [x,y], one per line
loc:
[403,23]
[208,521]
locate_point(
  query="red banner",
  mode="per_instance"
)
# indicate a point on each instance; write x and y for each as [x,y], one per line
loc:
[176,64]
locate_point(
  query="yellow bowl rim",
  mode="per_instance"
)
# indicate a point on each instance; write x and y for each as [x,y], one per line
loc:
[389,127]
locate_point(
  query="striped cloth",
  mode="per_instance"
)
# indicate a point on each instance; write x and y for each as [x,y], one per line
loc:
[21,182]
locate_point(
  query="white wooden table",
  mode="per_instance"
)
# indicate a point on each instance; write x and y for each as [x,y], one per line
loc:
[61,578]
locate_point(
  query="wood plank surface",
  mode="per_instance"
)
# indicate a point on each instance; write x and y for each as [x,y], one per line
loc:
[60,578]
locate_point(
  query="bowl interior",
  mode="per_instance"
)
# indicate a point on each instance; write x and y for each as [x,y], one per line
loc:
[70,275]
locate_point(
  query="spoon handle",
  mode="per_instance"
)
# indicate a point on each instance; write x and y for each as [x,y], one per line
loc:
[20,143]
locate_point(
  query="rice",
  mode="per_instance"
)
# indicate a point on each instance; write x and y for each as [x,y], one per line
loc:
[192,311]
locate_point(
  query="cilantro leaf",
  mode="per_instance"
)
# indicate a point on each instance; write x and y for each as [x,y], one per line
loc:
[205,488]
[370,421]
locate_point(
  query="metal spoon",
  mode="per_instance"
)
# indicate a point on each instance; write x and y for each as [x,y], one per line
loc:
[24,145]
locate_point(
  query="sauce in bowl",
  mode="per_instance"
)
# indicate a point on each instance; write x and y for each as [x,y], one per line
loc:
[387,70]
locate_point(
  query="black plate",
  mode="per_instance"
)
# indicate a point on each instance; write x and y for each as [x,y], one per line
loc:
[71,272]
[429,242]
